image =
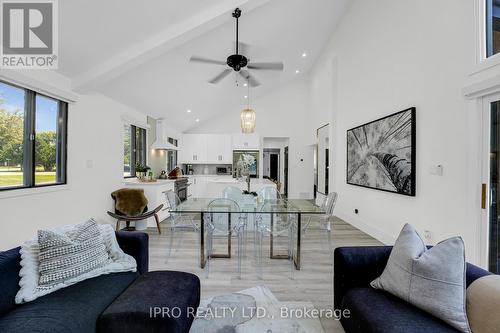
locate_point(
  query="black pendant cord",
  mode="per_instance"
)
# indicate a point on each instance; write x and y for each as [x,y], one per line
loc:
[236,15]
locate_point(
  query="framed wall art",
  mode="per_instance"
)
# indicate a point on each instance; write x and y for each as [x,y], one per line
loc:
[381,154]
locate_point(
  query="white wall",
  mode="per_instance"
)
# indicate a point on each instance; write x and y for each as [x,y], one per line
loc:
[281,113]
[95,136]
[385,56]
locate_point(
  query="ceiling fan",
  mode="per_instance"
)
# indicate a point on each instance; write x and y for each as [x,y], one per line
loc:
[238,62]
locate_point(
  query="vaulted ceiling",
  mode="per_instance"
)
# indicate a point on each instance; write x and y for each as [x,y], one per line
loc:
[137,52]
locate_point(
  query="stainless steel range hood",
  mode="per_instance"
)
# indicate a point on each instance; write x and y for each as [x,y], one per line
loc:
[161,142]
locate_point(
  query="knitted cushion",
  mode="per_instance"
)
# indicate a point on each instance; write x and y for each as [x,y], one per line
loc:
[30,265]
[65,256]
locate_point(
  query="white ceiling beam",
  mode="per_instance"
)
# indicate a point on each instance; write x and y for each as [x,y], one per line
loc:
[160,43]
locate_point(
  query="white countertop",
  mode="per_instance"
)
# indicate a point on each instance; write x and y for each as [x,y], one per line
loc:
[203,175]
[261,181]
[159,182]
[231,180]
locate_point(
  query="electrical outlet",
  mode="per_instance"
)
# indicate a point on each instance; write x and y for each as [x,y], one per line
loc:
[428,235]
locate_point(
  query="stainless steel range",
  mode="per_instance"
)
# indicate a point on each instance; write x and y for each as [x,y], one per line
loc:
[181,188]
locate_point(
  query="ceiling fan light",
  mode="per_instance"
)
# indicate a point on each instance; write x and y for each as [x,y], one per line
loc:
[248,121]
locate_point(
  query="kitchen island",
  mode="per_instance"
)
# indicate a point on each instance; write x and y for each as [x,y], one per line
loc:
[212,186]
[155,193]
[200,186]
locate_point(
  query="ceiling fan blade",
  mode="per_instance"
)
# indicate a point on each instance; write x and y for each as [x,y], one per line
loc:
[222,75]
[250,78]
[206,61]
[272,66]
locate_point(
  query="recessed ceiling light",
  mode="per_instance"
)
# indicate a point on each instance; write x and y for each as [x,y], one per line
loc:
[197,120]
[304,55]
[188,111]
[297,71]
[245,85]
[245,96]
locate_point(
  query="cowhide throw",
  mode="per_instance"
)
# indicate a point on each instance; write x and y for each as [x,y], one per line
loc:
[130,202]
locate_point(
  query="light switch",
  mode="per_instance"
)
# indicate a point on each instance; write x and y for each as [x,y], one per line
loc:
[428,235]
[89,164]
[436,170]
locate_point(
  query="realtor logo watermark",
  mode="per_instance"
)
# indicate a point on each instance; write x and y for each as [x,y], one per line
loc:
[29,34]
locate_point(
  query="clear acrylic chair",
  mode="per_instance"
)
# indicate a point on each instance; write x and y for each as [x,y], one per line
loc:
[236,194]
[222,221]
[325,220]
[268,193]
[178,221]
[272,221]
[233,193]
[265,194]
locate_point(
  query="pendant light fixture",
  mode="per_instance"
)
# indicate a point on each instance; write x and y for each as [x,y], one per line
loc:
[248,115]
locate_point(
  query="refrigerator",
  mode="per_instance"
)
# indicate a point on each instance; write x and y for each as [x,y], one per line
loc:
[254,169]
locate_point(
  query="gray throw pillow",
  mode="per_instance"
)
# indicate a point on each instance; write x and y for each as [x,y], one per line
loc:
[432,280]
[65,256]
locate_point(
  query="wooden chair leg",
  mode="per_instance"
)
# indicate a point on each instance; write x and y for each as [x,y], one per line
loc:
[117,225]
[158,223]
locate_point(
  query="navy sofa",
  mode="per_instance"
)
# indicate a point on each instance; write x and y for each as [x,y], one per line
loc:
[103,303]
[374,310]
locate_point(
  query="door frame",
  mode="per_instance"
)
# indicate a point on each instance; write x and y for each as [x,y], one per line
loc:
[484,226]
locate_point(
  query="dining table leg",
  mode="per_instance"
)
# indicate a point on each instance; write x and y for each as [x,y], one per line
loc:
[202,241]
[296,259]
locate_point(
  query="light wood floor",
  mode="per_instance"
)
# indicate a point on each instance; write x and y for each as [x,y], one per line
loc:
[313,283]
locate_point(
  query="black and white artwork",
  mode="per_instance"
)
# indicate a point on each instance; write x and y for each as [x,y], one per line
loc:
[381,154]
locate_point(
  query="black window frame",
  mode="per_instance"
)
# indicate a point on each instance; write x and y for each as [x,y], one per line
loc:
[29,141]
[134,131]
[492,23]
[172,153]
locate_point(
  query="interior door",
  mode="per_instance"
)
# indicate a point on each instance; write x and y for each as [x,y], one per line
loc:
[274,166]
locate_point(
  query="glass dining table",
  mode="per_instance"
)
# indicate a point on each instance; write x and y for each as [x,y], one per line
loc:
[250,205]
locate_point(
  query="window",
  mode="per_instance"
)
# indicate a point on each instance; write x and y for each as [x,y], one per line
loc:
[134,149]
[33,131]
[172,155]
[492,27]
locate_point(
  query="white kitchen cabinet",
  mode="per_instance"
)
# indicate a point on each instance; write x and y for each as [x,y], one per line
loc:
[246,141]
[219,149]
[193,149]
[205,149]
[197,186]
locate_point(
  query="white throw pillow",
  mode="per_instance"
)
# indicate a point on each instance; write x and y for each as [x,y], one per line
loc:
[30,276]
[432,280]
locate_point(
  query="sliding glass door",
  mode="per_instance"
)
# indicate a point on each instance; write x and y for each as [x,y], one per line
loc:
[494,195]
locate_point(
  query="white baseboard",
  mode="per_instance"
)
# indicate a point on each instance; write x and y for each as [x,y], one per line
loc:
[367,228]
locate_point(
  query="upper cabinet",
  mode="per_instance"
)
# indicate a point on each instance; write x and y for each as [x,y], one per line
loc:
[219,149]
[246,141]
[193,149]
[214,148]
[205,149]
